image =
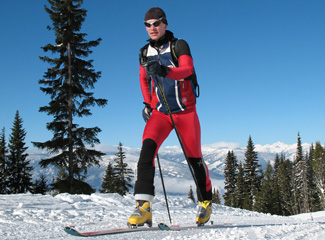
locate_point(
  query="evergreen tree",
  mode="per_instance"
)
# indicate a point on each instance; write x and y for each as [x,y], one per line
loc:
[109,181]
[230,173]
[265,198]
[67,83]
[306,184]
[191,194]
[40,185]
[3,163]
[20,178]
[313,196]
[284,185]
[123,174]
[298,180]
[216,196]
[276,188]
[319,170]
[252,174]
[62,175]
[240,192]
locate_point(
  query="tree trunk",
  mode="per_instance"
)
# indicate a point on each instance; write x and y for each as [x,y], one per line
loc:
[70,119]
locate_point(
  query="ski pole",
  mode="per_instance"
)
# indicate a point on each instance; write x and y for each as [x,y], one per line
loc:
[177,134]
[163,185]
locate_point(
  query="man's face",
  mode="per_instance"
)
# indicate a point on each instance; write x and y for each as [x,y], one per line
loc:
[154,30]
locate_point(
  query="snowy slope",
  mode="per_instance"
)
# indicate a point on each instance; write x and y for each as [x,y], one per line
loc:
[27,216]
[176,173]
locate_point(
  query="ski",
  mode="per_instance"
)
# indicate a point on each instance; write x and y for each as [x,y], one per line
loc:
[74,232]
[165,227]
[161,226]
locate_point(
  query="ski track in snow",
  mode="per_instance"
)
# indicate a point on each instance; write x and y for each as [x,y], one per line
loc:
[27,216]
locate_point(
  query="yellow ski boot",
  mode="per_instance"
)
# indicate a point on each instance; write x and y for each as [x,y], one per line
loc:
[204,212]
[141,215]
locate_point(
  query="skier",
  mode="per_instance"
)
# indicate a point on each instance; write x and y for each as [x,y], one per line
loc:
[179,90]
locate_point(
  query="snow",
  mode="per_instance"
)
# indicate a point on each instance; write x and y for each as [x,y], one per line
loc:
[27,216]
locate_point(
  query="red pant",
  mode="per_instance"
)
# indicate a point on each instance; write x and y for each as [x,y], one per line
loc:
[187,123]
[156,131]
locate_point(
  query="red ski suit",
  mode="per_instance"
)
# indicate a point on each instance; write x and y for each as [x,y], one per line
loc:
[181,99]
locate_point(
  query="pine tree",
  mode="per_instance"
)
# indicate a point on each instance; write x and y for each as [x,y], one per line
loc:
[216,196]
[240,192]
[319,170]
[298,180]
[67,83]
[230,174]
[284,185]
[20,178]
[40,185]
[62,175]
[190,194]
[276,188]
[123,174]
[252,174]
[306,184]
[3,163]
[304,188]
[265,198]
[313,196]
[109,181]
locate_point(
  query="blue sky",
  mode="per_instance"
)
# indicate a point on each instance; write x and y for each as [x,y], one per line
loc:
[260,66]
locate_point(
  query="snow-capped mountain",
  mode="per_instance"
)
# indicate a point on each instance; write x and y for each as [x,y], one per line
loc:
[175,170]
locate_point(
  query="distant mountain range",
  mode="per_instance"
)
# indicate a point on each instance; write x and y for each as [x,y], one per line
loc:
[175,170]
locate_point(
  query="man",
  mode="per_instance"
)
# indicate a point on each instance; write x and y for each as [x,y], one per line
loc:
[158,64]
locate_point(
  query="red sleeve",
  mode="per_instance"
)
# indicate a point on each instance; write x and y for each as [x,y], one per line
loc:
[144,85]
[184,70]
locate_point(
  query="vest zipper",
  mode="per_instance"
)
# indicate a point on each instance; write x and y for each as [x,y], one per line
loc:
[161,78]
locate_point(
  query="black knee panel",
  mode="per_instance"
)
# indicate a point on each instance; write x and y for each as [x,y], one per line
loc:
[200,172]
[146,169]
[148,151]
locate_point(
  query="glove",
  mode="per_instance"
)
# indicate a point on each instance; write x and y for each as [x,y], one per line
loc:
[154,68]
[146,112]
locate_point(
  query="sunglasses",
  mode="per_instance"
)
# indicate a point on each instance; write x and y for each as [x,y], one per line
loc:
[155,23]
